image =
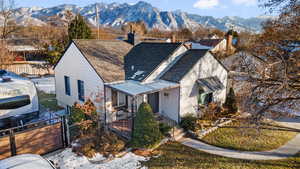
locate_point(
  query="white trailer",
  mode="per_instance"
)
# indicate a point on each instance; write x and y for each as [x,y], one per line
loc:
[18,97]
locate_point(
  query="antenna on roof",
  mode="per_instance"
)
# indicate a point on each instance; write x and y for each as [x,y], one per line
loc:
[97,21]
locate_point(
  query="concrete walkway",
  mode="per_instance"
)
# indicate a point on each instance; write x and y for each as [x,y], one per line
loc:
[289,149]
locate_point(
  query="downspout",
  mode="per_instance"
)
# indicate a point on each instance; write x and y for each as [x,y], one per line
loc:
[179,95]
[133,104]
[105,123]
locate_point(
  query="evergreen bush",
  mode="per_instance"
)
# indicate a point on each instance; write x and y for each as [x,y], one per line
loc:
[146,132]
[79,29]
[164,129]
[189,122]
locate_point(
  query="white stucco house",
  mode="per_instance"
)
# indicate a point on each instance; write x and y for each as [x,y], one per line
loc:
[173,78]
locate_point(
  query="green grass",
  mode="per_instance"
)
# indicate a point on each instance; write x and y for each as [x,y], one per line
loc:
[235,137]
[48,101]
[175,155]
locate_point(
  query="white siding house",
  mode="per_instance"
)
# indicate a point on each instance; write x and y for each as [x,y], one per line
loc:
[93,63]
[206,67]
[76,67]
[168,76]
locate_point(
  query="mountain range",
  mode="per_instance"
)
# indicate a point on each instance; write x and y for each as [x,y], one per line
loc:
[117,14]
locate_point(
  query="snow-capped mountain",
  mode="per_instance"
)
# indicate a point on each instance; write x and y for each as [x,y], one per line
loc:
[115,15]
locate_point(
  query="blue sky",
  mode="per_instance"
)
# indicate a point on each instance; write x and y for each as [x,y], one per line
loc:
[216,8]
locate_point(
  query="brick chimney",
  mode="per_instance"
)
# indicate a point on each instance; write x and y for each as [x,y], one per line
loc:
[229,38]
[173,38]
[131,36]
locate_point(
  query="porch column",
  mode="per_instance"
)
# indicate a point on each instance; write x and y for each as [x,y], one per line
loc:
[133,113]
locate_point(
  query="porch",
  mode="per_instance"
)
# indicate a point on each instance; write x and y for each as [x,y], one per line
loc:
[124,98]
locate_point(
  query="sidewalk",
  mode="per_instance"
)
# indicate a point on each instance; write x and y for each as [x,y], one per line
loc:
[291,148]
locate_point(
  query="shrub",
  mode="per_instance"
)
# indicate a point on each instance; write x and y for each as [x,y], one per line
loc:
[77,115]
[164,129]
[189,122]
[106,144]
[146,132]
[212,112]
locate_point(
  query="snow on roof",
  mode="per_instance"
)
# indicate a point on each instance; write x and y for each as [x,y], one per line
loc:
[199,46]
[134,88]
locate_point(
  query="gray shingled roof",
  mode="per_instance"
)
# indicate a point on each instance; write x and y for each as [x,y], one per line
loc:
[184,65]
[106,57]
[146,57]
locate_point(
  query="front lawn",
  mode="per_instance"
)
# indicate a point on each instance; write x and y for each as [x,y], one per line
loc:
[239,136]
[48,101]
[176,155]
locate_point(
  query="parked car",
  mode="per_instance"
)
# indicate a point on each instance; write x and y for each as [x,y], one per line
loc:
[26,161]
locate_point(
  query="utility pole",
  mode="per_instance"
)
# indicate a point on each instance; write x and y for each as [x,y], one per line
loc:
[97,21]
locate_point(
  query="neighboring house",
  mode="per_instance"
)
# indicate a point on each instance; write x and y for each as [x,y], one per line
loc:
[225,45]
[29,58]
[215,45]
[18,100]
[241,61]
[171,77]
[26,49]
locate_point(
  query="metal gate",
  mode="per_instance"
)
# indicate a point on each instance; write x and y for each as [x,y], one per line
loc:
[36,138]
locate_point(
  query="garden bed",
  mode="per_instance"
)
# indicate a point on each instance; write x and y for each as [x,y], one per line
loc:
[239,136]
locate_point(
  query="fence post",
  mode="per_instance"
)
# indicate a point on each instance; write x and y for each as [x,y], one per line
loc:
[12,141]
[66,130]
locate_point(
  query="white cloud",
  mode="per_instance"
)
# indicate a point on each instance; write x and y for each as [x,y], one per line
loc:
[245,2]
[205,4]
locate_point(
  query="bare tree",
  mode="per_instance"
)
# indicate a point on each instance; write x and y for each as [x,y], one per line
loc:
[274,5]
[277,91]
[6,14]
[6,57]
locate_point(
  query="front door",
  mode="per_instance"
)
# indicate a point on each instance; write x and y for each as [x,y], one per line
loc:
[153,100]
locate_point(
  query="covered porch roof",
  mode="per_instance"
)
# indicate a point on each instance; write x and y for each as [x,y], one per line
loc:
[210,84]
[134,88]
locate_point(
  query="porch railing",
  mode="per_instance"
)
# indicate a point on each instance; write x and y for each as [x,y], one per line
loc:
[120,122]
[164,119]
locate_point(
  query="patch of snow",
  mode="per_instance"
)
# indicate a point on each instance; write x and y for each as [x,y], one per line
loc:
[69,160]
[46,115]
[137,73]
[45,84]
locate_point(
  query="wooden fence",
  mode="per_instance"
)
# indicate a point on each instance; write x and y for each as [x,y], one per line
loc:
[37,138]
[29,67]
